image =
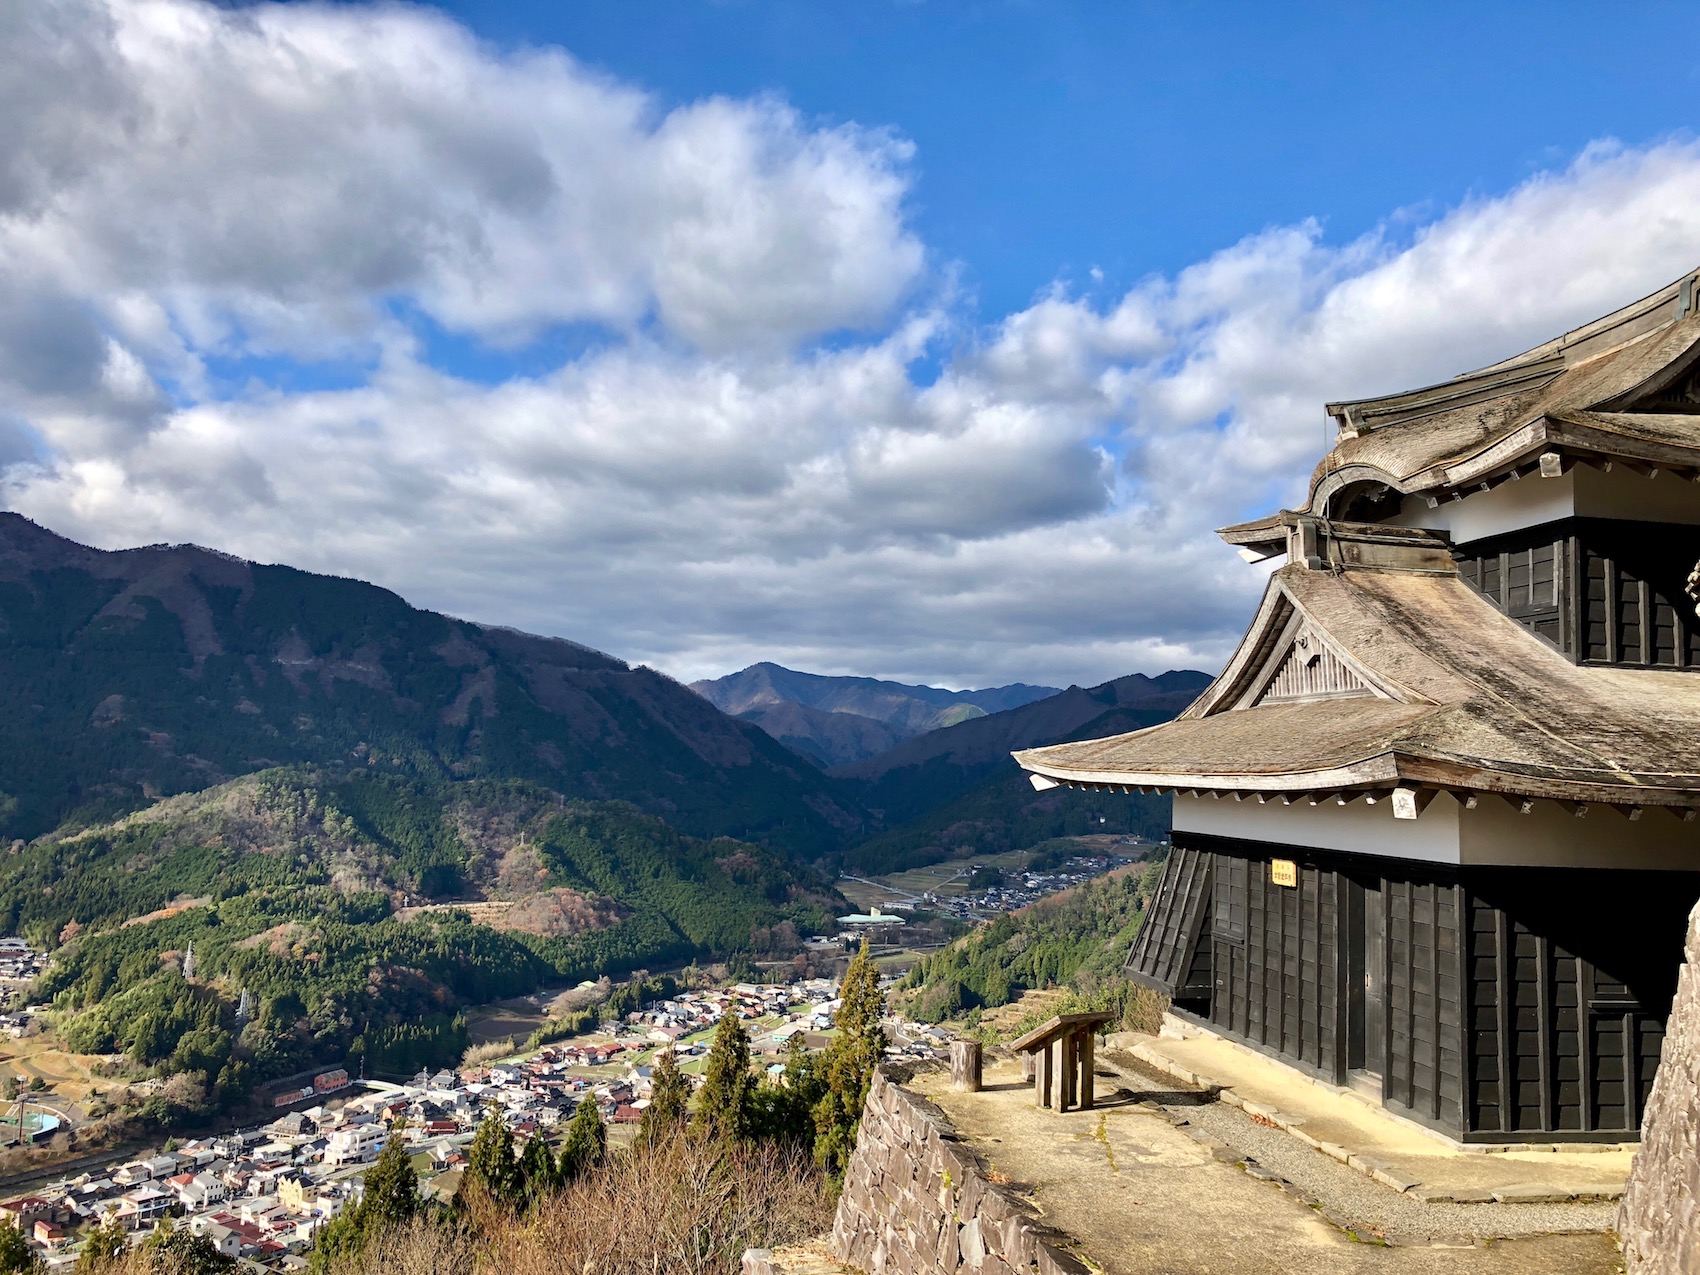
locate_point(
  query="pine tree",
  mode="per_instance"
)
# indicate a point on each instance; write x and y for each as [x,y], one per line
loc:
[181,1252]
[848,1062]
[16,1256]
[669,1100]
[723,1102]
[105,1244]
[586,1142]
[537,1169]
[491,1161]
[391,1195]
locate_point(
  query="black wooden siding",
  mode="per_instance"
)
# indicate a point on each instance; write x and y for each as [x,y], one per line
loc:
[1601,590]
[1571,974]
[1425,1056]
[1519,1001]
[1169,953]
[1275,962]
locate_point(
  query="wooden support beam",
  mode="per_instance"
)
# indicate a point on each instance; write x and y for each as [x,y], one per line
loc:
[1088,1063]
[1472,801]
[1551,465]
[1042,1077]
[1409,803]
[1068,1073]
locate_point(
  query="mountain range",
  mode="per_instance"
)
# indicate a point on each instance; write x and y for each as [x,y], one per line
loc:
[131,675]
[362,816]
[838,721]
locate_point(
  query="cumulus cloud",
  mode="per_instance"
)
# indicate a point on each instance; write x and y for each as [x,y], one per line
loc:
[193,189]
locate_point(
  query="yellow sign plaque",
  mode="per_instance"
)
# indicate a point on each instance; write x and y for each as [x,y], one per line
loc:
[1283,872]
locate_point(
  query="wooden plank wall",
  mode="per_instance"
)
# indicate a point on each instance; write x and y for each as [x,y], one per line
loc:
[1165,952]
[1275,960]
[1425,999]
[1602,591]
[1556,1044]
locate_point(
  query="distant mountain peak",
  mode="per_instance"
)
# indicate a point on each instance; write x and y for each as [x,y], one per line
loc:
[828,716]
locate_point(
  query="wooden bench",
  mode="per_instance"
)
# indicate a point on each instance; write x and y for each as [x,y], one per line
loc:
[1062,1053]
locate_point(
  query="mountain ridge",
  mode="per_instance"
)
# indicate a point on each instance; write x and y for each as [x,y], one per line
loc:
[139,673]
[829,721]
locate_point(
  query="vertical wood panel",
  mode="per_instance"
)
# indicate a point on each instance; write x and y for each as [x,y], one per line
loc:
[1502,973]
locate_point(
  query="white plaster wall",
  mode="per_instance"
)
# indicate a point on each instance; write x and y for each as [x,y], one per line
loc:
[1528,502]
[1533,501]
[1357,828]
[1491,834]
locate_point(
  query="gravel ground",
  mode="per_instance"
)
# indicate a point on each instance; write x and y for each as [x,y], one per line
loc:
[1347,1197]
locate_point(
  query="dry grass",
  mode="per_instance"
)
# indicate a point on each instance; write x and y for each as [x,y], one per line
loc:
[683,1208]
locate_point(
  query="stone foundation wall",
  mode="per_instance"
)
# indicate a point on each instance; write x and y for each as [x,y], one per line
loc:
[1659,1220]
[917,1200]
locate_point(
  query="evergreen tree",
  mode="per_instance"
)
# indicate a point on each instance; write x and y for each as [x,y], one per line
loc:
[16,1256]
[537,1169]
[848,1062]
[586,1143]
[669,1100]
[723,1103]
[105,1244]
[784,1112]
[491,1161]
[175,1252]
[391,1195]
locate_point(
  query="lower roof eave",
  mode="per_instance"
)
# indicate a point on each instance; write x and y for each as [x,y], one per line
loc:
[1381,774]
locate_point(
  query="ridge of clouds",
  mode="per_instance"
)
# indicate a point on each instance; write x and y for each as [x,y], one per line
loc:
[749,461]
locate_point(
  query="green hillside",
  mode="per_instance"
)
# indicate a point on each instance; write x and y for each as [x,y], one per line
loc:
[1078,940]
[285,883]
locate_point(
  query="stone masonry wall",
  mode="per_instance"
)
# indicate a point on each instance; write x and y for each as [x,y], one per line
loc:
[916,1200]
[1659,1219]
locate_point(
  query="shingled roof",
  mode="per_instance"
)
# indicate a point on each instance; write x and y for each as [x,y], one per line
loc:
[1624,389]
[1425,685]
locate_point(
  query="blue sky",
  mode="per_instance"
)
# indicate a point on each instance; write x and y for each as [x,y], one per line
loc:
[916,340]
[1053,138]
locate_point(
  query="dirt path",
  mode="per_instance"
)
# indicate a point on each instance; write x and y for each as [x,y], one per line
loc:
[1147,1198]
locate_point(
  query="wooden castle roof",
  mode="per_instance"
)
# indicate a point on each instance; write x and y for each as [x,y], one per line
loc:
[1354,683]
[1624,389]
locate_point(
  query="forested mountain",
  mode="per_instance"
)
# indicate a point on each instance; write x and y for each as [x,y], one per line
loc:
[129,675]
[956,790]
[828,739]
[284,886]
[827,717]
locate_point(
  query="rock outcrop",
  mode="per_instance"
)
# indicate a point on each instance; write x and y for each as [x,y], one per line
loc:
[1659,1220]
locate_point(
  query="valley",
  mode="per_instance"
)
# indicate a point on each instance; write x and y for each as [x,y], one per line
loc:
[262,826]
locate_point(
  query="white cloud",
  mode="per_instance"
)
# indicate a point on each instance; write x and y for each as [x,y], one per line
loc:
[708,484]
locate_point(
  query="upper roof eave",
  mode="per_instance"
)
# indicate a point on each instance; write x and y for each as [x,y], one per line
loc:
[1532,367]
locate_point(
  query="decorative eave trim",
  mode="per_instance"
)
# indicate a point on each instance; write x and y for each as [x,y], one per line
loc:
[1380,776]
[1360,416]
[1278,620]
[1569,438]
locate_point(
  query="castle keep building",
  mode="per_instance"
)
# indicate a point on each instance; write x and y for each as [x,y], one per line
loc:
[1435,826]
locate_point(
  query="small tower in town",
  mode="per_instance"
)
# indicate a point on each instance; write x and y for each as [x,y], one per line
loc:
[1435,827]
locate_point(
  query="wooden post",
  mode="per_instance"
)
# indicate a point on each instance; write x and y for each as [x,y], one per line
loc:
[1065,1100]
[1042,1077]
[1088,1060]
[1026,1065]
[965,1066]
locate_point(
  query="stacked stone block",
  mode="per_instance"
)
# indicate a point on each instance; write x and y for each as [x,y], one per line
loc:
[1659,1219]
[916,1200]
